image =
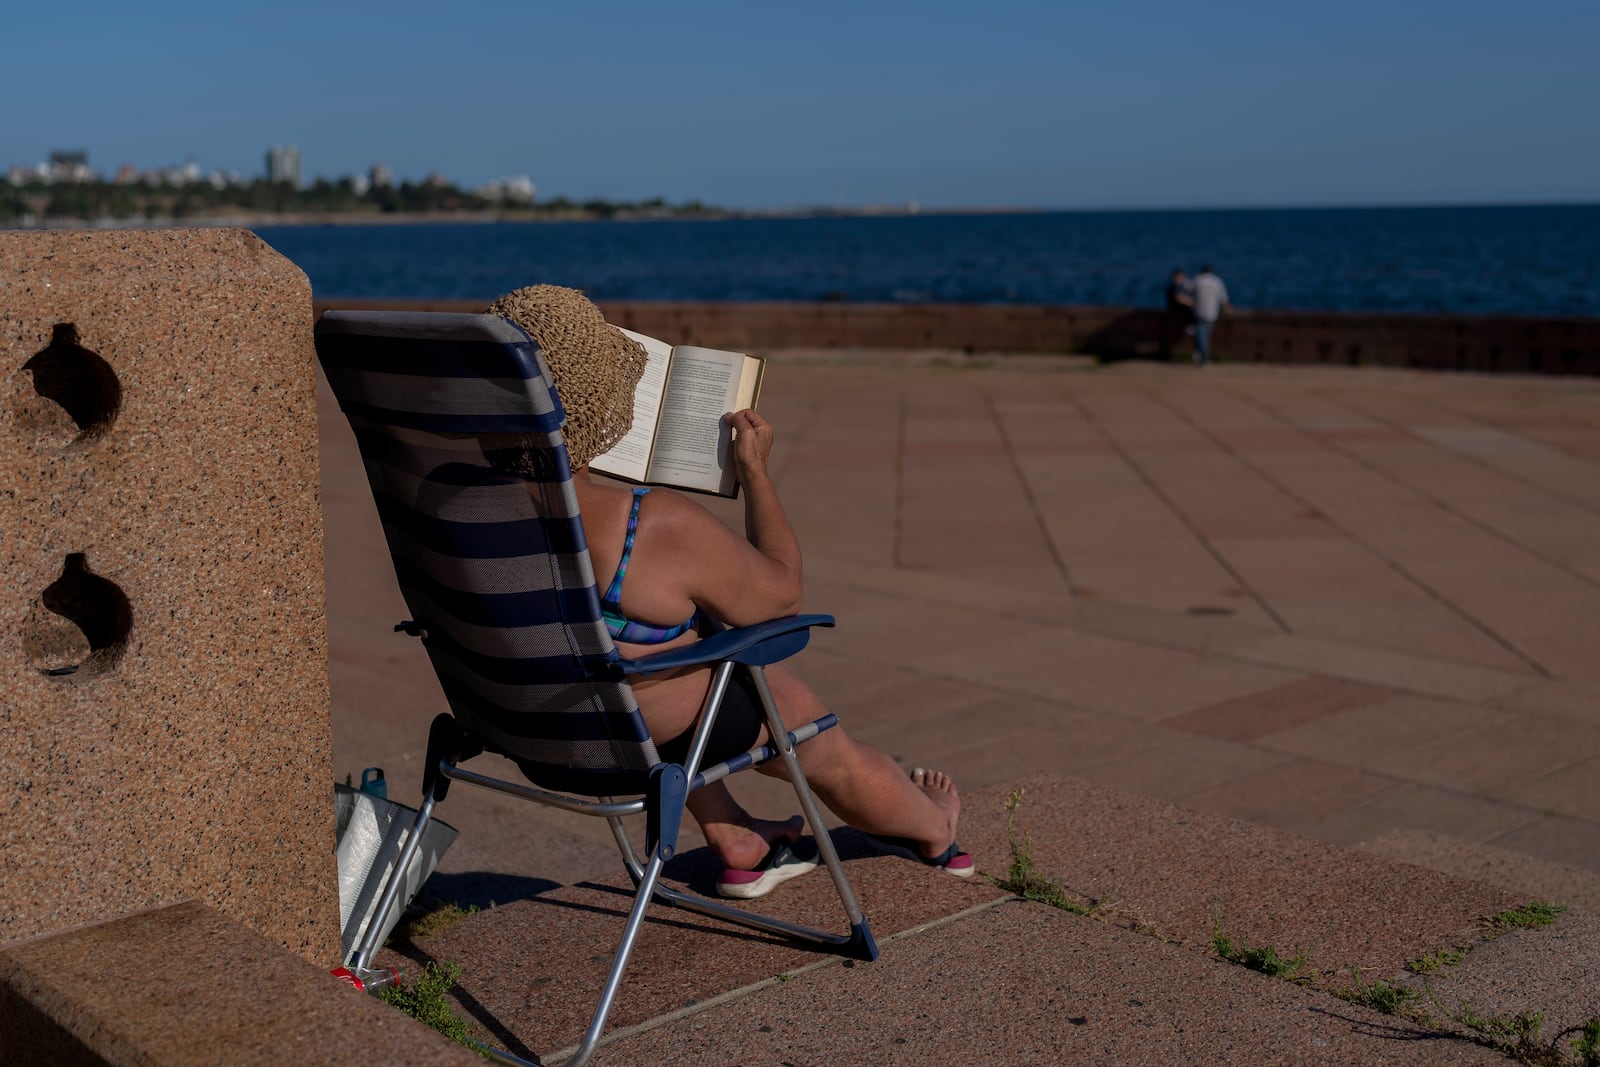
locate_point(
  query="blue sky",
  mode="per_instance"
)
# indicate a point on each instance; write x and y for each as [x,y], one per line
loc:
[1071,105]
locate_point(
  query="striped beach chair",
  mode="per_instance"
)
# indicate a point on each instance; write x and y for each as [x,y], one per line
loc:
[491,559]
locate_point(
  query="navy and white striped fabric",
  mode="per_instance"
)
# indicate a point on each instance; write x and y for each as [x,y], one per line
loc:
[491,560]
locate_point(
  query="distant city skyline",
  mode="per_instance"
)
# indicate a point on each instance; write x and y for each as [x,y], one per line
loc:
[282,164]
[1137,104]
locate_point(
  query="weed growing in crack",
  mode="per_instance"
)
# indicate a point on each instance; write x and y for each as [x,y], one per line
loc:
[433,923]
[1516,1036]
[1435,960]
[1586,1046]
[1384,996]
[1263,958]
[425,1001]
[1023,877]
[1536,913]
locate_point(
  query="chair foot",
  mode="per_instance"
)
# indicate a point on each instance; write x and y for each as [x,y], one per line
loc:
[861,945]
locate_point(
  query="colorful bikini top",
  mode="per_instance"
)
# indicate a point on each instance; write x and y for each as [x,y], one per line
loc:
[623,628]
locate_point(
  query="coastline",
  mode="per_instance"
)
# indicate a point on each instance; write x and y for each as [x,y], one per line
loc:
[413,218]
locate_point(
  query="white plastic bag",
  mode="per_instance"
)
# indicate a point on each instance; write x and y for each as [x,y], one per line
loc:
[370,832]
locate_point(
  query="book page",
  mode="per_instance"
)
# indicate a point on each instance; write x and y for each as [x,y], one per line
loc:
[692,440]
[630,457]
[750,379]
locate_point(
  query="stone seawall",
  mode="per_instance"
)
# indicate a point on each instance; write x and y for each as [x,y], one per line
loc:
[1434,342]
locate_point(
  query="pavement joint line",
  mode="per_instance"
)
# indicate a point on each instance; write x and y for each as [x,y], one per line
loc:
[696,1008]
[797,445]
[1468,457]
[1181,515]
[1028,494]
[1344,530]
[1440,502]
[1170,737]
[1394,564]
[898,526]
[1339,527]
[1111,630]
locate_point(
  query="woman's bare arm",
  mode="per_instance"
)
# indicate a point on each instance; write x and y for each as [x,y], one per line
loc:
[766,526]
[737,580]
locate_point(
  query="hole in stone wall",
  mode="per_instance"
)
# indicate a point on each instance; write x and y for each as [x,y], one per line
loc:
[80,622]
[80,382]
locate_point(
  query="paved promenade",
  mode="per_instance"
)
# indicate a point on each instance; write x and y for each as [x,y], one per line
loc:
[1353,609]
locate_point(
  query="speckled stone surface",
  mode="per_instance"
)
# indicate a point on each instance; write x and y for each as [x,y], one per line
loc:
[1549,970]
[532,969]
[1528,876]
[1167,878]
[164,723]
[1184,875]
[1026,983]
[185,986]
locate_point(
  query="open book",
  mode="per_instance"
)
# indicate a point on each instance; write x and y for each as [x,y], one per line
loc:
[679,438]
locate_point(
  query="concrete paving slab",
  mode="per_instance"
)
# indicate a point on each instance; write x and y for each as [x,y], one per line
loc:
[1573,790]
[1576,700]
[1380,666]
[1503,759]
[1292,795]
[1270,711]
[1412,806]
[1186,873]
[1543,971]
[1515,871]
[1186,765]
[533,969]
[1575,842]
[1386,736]
[1080,740]
[1023,983]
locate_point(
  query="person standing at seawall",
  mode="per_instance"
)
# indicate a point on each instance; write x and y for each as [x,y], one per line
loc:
[1210,301]
[1178,318]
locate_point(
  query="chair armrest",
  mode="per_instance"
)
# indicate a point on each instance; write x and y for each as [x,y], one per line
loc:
[758,645]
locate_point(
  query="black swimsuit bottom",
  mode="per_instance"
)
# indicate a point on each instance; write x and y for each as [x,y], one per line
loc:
[737,729]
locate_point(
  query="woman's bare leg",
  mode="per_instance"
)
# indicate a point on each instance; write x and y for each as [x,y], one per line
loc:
[862,784]
[739,840]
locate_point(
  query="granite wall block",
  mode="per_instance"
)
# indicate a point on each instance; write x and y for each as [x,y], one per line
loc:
[164,717]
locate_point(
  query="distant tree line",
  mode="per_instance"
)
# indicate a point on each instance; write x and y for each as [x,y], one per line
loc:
[159,199]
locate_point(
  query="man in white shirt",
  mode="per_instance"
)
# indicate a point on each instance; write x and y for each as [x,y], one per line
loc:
[1210,301]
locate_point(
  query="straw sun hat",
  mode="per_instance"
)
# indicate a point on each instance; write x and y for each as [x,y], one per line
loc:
[596,366]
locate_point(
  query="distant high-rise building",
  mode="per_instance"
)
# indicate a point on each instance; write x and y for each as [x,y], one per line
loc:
[283,164]
[514,190]
[380,176]
[69,166]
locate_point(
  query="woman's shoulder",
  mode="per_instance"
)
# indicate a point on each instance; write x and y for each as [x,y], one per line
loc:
[669,508]
[658,506]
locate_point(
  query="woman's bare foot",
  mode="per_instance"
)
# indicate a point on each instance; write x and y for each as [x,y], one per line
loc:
[942,791]
[741,847]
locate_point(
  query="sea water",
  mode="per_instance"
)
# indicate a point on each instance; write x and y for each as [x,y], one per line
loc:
[1537,260]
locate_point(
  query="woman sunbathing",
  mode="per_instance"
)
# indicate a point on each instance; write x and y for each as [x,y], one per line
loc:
[669,565]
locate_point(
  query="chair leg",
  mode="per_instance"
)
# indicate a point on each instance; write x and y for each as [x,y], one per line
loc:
[630,934]
[861,941]
[630,858]
[858,943]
